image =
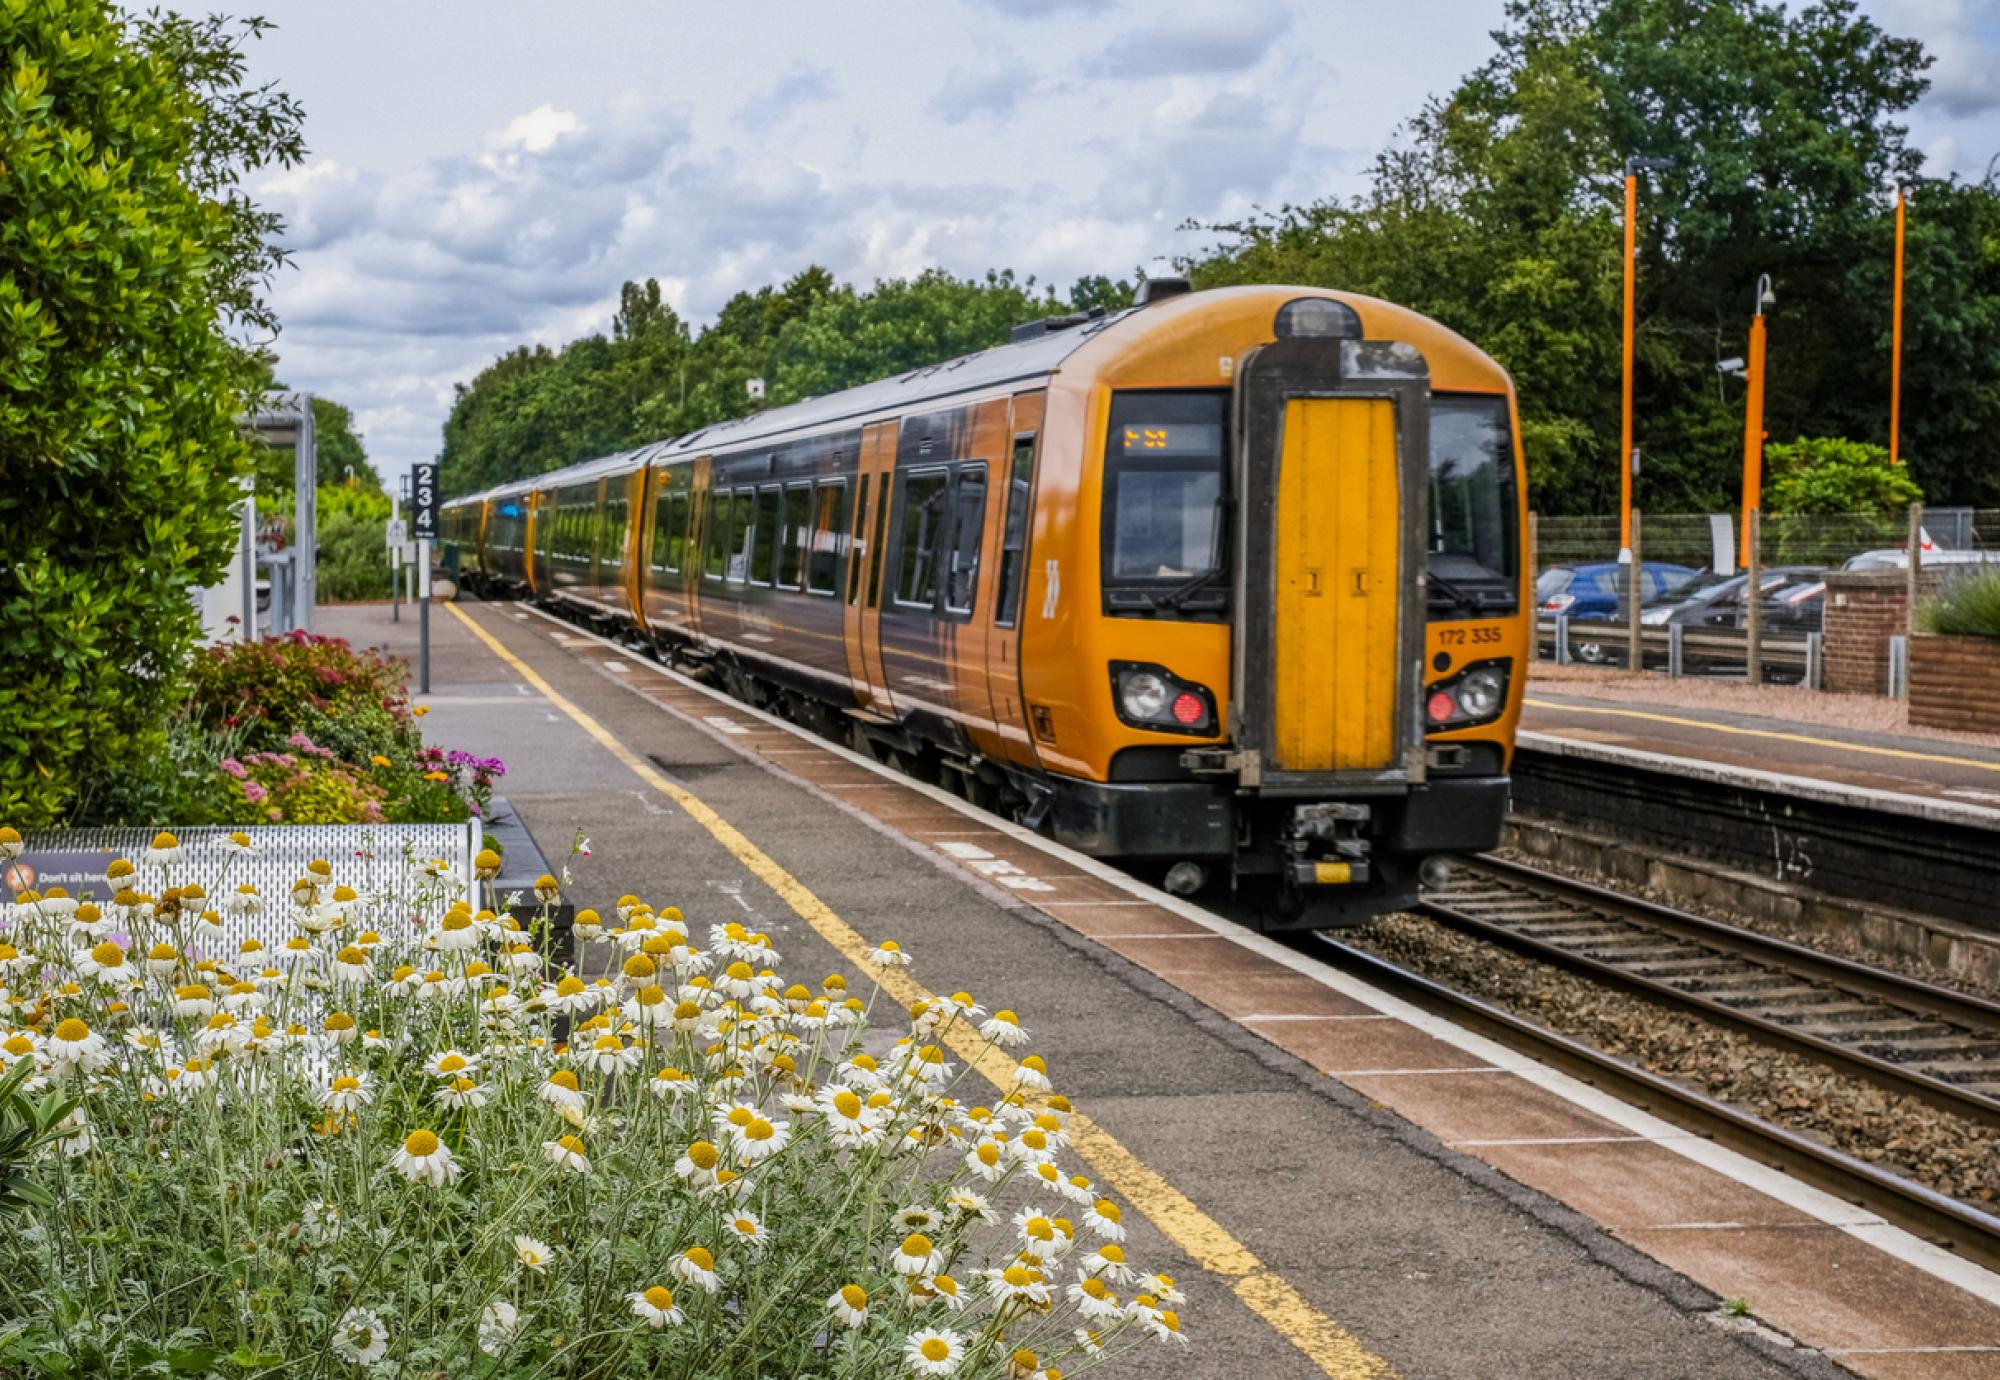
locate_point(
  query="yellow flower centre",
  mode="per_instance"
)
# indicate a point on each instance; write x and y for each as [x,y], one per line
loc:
[350,954]
[1106,1209]
[988,1152]
[935,1349]
[916,1244]
[165,841]
[72,1030]
[569,986]
[640,966]
[1025,1359]
[744,1226]
[741,1116]
[340,1020]
[699,1257]
[451,1063]
[1018,1276]
[240,839]
[846,1103]
[652,996]
[343,894]
[1095,1288]
[347,1082]
[18,1045]
[457,920]
[1170,1320]
[740,971]
[1034,1139]
[610,1044]
[759,1129]
[854,1296]
[1036,1063]
[687,1011]
[702,1155]
[571,1144]
[1112,1252]
[163,952]
[563,1078]
[107,955]
[1039,1229]
[660,1297]
[462,1085]
[420,1144]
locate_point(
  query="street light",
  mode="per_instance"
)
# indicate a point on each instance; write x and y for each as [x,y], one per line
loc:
[1633,167]
[1753,414]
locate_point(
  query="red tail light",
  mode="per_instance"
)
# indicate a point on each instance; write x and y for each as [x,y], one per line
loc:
[1189,709]
[1442,706]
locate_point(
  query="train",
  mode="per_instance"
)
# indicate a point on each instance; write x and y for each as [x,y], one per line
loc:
[1225,586]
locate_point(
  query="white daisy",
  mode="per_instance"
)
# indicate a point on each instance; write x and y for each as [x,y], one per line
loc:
[347,1093]
[695,1266]
[567,1155]
[497,1324]
[1003,1028]
[462,1094]
[532,1254]
[165,849]
[359,1337]
[916,1256]
[889,954]
[423,1158]
[1093,1299]
[747,1229]
[933,1351]
[850,1305]
[1104,1218]
[655,1306]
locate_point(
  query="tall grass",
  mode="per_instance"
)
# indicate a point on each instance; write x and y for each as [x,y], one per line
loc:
[1968,606]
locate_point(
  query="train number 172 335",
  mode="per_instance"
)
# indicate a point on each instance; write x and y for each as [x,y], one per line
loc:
[1459,637]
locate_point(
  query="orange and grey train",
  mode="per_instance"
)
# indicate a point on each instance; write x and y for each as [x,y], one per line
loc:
[1226,585]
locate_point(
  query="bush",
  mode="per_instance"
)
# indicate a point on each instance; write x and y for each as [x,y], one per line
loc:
[1967,606]
[126,259]
[353,548]
[1825,474]
[308,786]
[688,1169]
[279,686]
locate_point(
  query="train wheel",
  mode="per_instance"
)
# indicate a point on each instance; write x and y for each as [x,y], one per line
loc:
[1278,900]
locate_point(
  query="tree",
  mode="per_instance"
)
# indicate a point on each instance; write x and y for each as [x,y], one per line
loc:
[127,258]
[1824,474]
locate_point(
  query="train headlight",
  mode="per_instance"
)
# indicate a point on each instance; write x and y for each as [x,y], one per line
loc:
[1472,697]
[1152,697]
[1143,695]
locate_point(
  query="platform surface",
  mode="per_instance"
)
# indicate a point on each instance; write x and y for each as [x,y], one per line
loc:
[1345,1189]
[1644,713]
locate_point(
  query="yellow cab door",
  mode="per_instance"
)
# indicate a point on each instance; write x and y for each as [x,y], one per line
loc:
[1336,635]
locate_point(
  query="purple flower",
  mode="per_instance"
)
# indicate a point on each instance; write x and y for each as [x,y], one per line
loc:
[235,768]
[254,793]
[299,740]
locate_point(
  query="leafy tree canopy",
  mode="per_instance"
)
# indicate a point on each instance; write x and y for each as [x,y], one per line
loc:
[1825,474]
[130,264]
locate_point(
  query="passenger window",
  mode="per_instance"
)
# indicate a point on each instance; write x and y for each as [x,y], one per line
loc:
[825,539]
[764,545]
[669,518]
[1014,539]
[742,534]
[798,517]
[719,510]
[968,529]
[677,532]
[881,536]
[860,546]
[922,538]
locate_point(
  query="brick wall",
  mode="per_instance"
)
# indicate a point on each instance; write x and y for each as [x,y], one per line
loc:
[1864,609]
[1952,680]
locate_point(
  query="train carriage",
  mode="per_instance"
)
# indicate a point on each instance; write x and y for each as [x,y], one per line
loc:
[1227,584]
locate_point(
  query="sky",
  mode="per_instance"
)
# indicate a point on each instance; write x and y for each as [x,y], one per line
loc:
[487,174]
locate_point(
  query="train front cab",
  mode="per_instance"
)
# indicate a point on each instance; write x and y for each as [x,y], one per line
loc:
[1307,641]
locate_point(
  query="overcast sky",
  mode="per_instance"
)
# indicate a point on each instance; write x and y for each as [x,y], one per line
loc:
[484,174]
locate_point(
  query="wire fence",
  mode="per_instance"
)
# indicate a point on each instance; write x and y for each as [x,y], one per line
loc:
[1701,541]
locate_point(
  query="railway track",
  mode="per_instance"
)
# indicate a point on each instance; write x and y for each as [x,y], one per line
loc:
[1959,1226]
[1900,1033]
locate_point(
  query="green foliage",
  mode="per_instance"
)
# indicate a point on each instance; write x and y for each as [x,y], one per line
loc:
[26,1126]
[127,256]
[1824,474]
[307,786]
[280,686]
[1500,213]
[1968,605]
[535,409]
[342,459]
[353,549]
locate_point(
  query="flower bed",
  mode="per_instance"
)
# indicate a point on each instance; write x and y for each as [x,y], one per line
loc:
[405,1144]
[306,730]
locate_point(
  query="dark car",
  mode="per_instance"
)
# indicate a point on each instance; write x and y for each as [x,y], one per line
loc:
[1793,603]
[1595,593]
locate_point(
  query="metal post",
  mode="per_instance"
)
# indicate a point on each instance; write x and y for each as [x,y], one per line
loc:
[1534,570]
[423,615]
[1913,573]
[1815,660]
[1753,411]
[1635,651]
[1675,649]
[1899,666]
[1753,597]
[305,539]
[1562,639]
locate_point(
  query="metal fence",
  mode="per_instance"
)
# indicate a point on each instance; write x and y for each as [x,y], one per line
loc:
[1824,539]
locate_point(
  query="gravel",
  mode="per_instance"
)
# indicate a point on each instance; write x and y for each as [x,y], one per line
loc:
[1869,713]
[1905,1135]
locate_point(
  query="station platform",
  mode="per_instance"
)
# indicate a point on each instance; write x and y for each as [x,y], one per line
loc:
[1345,1186]
[1854,746]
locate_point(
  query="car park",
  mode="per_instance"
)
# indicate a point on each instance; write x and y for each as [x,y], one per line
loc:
[1594,593]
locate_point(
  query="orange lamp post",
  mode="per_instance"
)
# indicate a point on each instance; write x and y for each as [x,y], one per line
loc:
[1633,167]
[1896,345]
[1753,415]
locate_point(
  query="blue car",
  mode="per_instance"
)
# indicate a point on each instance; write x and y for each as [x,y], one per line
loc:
[1594,593]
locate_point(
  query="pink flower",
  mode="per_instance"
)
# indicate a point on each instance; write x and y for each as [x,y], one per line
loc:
[254,793]
[235,768]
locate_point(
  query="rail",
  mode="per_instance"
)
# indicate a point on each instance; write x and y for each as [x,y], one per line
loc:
[1676,648]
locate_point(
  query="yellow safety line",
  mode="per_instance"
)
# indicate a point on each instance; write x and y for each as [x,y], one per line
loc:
[1765,733]
[1328,1345]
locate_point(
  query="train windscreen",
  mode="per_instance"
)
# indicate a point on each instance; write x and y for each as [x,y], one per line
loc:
[1473,545]
[1164,460]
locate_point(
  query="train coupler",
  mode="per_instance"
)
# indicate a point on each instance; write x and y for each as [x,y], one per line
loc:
[1327,844]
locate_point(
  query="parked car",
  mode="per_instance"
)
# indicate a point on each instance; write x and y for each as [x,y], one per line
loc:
[1898,558]
[1793,603]
[1595,593]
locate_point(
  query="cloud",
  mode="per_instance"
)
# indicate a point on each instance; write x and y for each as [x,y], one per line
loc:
[538,130]
[996,91]
[797,89]
[1963,38]
[1042,9]
[1200,41]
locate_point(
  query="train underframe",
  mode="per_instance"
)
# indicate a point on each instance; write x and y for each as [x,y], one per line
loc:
[1195,835]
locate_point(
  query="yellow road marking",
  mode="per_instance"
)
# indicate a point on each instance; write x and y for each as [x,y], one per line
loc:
[1767,733]
[1328,1345]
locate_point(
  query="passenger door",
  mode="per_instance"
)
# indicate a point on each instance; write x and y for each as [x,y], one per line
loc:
[1012,522]
[863,622]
